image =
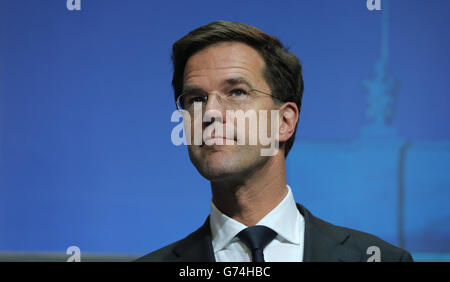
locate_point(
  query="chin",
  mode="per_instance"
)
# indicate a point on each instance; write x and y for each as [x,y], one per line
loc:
[215,162]
[221,163]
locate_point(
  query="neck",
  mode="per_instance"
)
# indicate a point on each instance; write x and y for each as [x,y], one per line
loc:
[250,198]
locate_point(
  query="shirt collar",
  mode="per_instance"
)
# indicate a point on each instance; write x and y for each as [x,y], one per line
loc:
[283,219]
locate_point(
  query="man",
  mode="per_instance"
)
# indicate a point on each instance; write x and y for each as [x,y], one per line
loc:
[226,66]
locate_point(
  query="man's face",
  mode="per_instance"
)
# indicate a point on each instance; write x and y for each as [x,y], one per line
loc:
[211,70]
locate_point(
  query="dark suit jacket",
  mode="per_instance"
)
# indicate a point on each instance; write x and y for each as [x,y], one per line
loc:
[323,242]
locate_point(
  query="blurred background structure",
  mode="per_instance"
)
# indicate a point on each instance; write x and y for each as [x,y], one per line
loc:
[86,157]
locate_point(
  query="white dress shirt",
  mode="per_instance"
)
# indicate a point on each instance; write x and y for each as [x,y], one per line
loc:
[285,219]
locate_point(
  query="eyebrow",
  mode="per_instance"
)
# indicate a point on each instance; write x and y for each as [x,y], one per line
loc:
[228,82]
[191,88]
[237,80]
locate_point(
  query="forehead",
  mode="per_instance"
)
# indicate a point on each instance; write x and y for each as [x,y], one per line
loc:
[224,60]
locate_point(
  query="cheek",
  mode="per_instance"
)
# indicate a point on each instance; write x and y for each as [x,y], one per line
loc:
[193,128]
[268,125]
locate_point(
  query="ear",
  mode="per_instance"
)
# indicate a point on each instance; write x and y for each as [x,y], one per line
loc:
[288,119]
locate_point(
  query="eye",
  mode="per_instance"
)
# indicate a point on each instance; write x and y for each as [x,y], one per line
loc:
[238,92]
[194,99]
[188,99]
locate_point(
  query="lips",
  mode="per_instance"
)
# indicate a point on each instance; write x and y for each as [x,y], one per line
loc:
[216,140]
[216,135]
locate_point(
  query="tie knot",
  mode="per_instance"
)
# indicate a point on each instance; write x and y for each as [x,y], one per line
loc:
[257,237]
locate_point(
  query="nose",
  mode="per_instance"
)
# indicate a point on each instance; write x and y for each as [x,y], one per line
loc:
[214,103]
[214,109]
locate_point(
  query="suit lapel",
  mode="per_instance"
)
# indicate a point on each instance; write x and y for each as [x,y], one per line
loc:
[324,241]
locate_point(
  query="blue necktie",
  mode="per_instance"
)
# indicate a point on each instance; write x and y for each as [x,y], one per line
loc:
[256,238]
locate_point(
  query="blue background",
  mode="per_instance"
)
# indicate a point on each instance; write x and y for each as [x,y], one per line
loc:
[86,157]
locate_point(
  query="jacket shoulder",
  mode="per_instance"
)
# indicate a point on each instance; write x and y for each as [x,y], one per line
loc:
[191,244]
[163,254]
[370,246]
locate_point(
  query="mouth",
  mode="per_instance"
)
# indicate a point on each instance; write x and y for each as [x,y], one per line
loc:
[217,140]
